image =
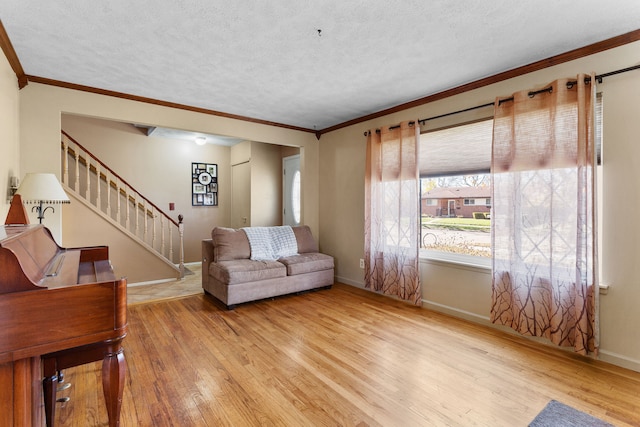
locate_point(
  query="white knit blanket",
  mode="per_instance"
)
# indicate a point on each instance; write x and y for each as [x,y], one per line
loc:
[270,243]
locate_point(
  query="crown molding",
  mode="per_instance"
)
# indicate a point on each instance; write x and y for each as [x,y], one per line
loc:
[83,88]
[24,79]
[525,69]
[12,57]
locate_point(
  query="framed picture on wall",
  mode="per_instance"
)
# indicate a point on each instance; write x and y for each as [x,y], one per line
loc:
[204,184]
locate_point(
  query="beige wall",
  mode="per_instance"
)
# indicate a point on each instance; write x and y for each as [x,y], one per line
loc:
[42,106]
[9,132]
[266,185]
[136,263]
[160,169]
[466,291]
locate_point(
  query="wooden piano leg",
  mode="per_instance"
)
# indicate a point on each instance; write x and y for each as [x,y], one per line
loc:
[114,369]
[49,386]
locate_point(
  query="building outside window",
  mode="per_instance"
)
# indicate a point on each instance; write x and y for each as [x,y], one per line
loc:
[454,169]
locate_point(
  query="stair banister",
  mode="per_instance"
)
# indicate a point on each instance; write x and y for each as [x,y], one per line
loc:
[123,189]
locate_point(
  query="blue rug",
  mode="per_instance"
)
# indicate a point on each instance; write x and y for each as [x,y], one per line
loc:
[557,414]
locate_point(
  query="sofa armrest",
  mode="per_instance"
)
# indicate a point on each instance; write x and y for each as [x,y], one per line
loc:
[207,258]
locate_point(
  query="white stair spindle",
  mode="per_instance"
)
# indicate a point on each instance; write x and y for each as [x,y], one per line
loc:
[153,227]
[162,234]
[76,184]
[145,216]
[98,190]
[170,241]
[118,211]
[126,198]
[109,196]
[65,159]
[87,193]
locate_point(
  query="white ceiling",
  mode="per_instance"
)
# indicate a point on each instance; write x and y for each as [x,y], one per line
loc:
[305,63]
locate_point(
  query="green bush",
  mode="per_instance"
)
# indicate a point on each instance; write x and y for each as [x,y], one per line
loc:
[479,215]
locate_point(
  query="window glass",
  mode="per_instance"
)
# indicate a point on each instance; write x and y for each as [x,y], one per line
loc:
[295,197]
[455,223]
[454,170]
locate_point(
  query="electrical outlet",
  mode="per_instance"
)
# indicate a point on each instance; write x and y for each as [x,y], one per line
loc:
[361,263]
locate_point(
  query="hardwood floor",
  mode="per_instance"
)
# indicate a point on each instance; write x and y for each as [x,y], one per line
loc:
[338,357]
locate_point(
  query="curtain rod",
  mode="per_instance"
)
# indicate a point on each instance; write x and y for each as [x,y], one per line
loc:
[570,84]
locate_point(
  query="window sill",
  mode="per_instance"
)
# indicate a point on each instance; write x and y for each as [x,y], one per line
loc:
[456,260]
[471,263]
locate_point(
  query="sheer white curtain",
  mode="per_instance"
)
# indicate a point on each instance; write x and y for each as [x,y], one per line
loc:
[392,212]
[543,232]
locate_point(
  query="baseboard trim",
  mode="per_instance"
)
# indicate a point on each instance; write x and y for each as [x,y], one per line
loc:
[350,282]
[456,312]
[151,282]
[603,355]
[619,360]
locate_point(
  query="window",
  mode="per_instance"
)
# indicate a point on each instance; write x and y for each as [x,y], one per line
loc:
[455,182]
[454,171]
[295,197]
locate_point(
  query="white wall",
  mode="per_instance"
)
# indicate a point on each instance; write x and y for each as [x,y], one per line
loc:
[9,132]
[465,291]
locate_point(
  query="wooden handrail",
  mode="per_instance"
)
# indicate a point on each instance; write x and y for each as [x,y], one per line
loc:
[89,153]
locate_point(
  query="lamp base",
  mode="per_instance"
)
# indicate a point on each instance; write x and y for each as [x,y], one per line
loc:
[17,212]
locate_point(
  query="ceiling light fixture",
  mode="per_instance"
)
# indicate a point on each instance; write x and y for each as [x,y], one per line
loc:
[201,140]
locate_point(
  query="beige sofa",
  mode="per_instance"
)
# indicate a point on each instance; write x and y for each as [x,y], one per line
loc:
[231,276]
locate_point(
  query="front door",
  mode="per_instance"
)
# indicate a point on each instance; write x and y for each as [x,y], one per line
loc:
[452,208]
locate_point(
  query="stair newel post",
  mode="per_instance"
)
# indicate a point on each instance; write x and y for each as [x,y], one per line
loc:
[181,232]
[65,161]
[98,190]
[76,184]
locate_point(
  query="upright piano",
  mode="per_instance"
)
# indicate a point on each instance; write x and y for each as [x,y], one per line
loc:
[59,308]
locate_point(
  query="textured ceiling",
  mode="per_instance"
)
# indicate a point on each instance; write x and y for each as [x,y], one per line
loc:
[305,63]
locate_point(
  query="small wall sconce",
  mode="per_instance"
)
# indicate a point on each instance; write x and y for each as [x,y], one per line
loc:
[201,140]
[14,183]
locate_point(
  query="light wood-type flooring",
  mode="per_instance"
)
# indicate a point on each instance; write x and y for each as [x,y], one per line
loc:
[338,357]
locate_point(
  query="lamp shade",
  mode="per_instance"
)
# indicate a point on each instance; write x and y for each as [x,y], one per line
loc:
[42,187]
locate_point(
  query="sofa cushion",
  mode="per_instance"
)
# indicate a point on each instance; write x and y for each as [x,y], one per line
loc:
[307,263]
[230,244]
[246,270]
[306,242]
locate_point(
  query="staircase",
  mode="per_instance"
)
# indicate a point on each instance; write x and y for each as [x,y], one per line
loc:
[105,192]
